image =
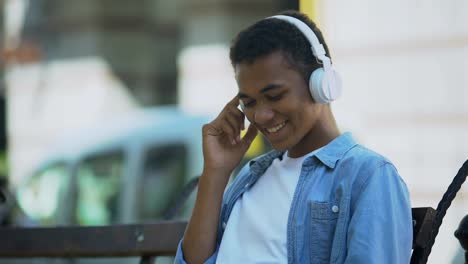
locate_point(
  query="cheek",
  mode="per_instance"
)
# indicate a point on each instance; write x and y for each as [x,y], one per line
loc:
[298,120]
[304,116]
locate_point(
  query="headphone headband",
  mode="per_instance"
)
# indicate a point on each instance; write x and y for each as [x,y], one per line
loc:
[317,49]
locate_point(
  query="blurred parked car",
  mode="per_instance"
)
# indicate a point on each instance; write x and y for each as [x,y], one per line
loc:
[124,171]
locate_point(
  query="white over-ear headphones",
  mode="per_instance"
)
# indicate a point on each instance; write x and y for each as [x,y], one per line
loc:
[324,82]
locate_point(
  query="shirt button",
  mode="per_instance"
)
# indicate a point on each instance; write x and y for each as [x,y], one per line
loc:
[335,209]
[224,225]
[247,185]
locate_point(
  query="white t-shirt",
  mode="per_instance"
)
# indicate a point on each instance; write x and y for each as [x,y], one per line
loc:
[257,227]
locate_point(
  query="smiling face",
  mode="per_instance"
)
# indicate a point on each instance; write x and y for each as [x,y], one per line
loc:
[277,101]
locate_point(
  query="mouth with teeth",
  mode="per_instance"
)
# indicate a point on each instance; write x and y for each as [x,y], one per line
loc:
[276,128]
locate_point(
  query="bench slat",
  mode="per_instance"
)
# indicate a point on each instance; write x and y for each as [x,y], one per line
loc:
[157,239]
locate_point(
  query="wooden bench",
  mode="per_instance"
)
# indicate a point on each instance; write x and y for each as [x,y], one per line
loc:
[142,240]
[139,240]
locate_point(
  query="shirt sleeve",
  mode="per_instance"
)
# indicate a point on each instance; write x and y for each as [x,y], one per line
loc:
[179,258]
[380,230]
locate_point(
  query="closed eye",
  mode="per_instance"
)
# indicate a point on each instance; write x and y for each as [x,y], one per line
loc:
[248,103]
[276,97]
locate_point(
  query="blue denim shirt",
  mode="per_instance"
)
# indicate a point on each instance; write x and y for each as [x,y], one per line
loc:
[350,206]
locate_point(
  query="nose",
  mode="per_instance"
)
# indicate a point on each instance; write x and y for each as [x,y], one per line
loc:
[263,115]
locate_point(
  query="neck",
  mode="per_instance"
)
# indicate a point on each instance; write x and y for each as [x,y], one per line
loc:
[324,131]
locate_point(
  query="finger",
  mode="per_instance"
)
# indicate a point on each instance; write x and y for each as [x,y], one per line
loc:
[240,116]
[232,106]
[234,101]
[235,123]
[212,129]
[234,110]
[250,135]
[229,131]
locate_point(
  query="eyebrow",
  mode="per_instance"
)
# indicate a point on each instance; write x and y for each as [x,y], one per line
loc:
[265,89]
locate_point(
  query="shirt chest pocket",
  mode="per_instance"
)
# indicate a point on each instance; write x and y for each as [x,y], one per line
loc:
[321,230]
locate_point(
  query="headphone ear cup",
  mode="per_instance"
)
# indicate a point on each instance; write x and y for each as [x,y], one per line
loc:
[324,87]
[315,85]
[335,85]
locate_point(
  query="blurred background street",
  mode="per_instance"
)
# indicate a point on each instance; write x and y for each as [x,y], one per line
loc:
[102,102]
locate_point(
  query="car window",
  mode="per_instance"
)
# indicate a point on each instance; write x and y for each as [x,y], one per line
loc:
[98,189]
[163,177]
[40,197]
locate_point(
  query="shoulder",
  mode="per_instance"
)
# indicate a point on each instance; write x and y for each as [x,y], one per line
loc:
[364,159]
[375,178]
[367,165]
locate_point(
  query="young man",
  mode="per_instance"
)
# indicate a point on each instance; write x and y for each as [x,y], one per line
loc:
[318,197]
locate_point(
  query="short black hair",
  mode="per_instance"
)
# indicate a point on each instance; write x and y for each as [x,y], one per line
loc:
[270,35]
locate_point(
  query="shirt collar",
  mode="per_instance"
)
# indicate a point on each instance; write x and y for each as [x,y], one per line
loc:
[331,153]
[259,164]
[328,154]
